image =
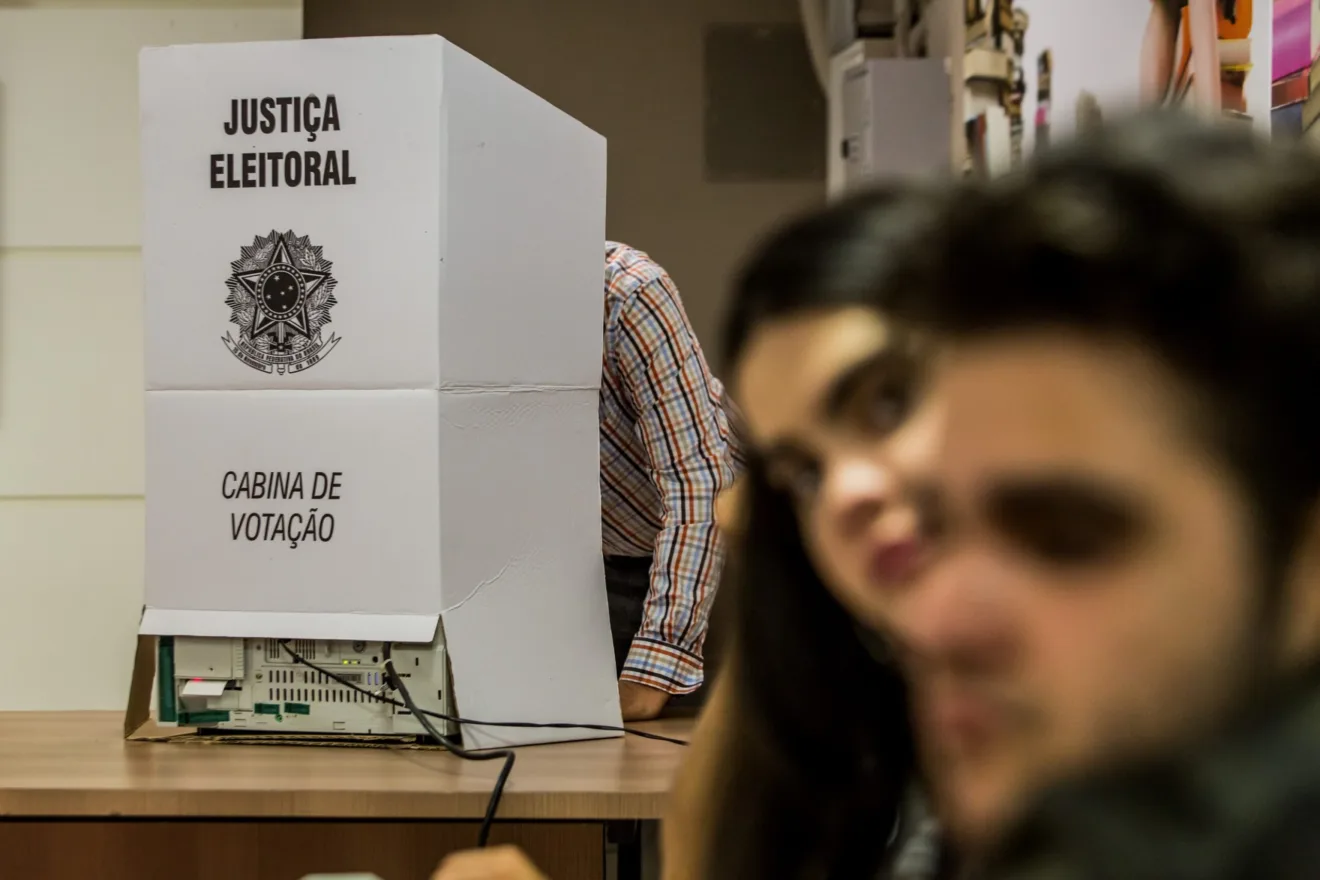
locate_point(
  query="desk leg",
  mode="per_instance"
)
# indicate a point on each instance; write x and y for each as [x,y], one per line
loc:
[277,850]
[626,839]
[650,868]
[637,850]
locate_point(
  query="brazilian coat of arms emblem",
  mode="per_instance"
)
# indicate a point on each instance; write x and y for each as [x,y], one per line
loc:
[280,296]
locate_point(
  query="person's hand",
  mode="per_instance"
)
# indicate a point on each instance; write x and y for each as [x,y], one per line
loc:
[495,863]
[639,702]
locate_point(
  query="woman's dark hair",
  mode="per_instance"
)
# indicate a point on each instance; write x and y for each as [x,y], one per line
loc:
[833,257]
[823,754]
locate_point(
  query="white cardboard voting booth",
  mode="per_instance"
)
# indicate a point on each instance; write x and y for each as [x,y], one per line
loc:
[373,273]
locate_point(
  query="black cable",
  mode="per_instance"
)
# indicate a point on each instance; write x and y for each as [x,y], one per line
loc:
[394,681]
[549,725]
[509,756]
[424,716]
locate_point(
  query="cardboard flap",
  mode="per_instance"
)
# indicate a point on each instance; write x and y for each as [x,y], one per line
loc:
[326,538]
[138,711]
[361,142]
[417,628]
[526,620]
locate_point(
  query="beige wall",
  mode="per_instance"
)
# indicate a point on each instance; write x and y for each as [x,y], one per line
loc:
[632,70]
[71,453]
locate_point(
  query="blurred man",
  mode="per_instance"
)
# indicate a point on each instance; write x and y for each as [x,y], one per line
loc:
[1112,632]
[666,451]
[1124,581]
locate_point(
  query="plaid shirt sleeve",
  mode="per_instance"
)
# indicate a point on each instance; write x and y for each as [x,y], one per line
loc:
[686,432]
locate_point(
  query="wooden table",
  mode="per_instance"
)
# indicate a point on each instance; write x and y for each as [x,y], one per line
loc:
[79,802]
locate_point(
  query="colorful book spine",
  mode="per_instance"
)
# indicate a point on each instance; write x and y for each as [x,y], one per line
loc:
[1296,36]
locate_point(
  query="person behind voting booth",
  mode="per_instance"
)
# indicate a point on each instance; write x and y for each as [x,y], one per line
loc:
[667,449]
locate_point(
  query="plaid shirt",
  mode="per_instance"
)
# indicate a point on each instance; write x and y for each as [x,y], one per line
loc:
[666,451]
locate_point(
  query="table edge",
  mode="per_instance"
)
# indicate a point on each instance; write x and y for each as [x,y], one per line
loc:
[80,804]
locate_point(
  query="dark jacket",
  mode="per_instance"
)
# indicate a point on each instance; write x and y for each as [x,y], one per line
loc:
[1245,806]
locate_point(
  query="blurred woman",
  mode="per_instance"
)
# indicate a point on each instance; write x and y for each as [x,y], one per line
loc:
[803,764]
